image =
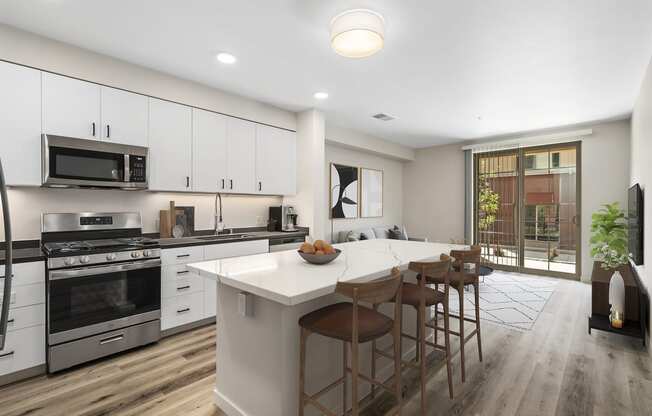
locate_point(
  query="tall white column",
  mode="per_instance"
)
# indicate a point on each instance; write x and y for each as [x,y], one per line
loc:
[310,200]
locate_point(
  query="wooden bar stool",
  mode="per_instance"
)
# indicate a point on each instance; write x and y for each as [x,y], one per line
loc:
[460,277]
[354,324]
[422,298]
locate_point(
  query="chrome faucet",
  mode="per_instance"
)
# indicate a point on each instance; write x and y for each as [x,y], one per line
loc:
[219,223]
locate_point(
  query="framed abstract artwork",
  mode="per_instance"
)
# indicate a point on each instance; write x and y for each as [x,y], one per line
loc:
[371,193]
[343,191]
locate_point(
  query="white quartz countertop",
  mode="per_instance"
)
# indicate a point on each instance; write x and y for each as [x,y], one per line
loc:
[286,278]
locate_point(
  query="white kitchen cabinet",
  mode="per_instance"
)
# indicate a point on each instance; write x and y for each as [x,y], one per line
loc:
[241,159]
[170,146]
[276,156]
[20,124]
[124,117]
[209,146]
[70,107]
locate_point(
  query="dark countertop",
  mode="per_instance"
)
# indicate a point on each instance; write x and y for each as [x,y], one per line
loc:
[251,236]
[24,252]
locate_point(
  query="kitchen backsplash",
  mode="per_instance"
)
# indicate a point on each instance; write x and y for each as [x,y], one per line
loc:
[27,204]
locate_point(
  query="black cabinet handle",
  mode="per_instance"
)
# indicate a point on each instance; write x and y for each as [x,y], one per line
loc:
[7,354]
[183,272]
[93,129]
[183,310]
[183,287]
[183,255]
[222,183]
[260,186]
[108,131]
[231,183]
[187,181]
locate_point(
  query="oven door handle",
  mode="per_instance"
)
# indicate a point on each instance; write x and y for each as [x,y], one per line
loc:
[89,271]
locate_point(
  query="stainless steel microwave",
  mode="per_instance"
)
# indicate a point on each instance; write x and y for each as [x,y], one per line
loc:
[71,162]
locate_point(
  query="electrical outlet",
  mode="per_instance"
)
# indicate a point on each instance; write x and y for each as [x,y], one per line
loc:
[259,220]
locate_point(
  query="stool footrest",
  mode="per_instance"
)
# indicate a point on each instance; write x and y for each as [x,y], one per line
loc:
[318,405]
[370,380]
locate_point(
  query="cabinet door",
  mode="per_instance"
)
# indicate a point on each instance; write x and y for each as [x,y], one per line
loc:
[241,156]
[170,144]
[20,124]
[124,117]
[70,107]
[275,161]
[209,151]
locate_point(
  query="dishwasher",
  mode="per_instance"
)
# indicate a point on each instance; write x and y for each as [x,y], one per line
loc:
[285,243]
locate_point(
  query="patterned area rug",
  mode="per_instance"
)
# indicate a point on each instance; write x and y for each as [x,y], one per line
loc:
[512,300]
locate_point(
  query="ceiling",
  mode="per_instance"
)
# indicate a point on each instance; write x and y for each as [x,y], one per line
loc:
[450,70]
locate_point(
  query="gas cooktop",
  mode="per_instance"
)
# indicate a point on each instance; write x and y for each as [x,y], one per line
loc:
[84,247]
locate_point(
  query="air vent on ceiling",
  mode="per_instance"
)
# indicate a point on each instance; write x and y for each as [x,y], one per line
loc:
[383,117]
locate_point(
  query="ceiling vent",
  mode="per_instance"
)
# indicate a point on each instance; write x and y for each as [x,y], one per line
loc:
[383,117]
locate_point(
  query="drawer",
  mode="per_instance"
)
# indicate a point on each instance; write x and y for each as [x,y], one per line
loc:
[182,255]
[176,271]
[181,310]
[26,273]
[241,248]
[25,295]
[25,348]
[25,317]
[181,285]
[210,297]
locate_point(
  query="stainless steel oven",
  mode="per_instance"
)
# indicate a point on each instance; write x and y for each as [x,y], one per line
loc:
[71,162]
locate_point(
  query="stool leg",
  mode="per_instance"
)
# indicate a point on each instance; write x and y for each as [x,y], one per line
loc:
[302,369]
[418,346]
[373,362]
[398,369]
[477,318]
[422,342]
[460,291]
[344,383]
[436,315]
[354,378]
[447,340]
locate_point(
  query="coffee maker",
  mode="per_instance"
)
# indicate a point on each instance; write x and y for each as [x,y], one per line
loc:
[282,218]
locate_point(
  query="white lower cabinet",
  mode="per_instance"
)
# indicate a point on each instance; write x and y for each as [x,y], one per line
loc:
[25,345]
[187,297]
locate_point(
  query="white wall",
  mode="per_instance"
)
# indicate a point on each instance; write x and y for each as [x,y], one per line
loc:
[46,54]
[433,186]
[392,188]
[27,204]
[641,168]
[355,140]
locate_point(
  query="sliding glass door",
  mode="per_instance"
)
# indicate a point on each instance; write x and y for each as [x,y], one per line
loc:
[527,209]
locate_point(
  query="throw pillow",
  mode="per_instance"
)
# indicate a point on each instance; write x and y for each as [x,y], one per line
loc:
[363,236]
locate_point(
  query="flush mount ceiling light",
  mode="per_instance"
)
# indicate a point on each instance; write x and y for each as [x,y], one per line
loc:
[321,95]
[357,33]
[226,58]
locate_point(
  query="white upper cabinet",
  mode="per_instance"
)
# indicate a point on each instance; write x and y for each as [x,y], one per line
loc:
[20,124]
[124,117]
[70,107]
[209,151]
[275,161]
[170,146]
[241,160]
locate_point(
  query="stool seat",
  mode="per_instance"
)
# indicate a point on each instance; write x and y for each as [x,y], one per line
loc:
[411,294]
[335,321]
[455,278]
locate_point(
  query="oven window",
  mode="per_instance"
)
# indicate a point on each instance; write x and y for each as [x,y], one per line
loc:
[81,301]
[86,164]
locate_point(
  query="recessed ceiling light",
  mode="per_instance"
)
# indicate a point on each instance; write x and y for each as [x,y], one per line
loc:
[226,58]
[321,95]
[357,33]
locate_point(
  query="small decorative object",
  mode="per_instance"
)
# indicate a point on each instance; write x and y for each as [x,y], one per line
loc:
[371,198]
[343,191]
[609,247]
[320,252]
[185,217]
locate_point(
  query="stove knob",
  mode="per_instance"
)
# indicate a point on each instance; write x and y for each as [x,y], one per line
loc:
[84,259]
[135,254]
[69,261]
[147,253]
[110,256]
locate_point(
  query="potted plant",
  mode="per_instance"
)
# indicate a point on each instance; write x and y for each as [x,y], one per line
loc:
[609,247]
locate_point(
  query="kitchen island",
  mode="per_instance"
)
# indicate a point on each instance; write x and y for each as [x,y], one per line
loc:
[258,339]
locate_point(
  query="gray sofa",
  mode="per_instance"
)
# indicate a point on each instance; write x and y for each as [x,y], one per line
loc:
[371,233]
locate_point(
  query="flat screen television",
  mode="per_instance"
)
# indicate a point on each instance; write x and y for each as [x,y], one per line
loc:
[635,215]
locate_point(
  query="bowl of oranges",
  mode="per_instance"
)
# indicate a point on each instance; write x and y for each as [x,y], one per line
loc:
[319,252]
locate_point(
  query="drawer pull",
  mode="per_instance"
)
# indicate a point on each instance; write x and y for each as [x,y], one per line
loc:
[112,339]
[183,310]
[183,272]
[11,321]
[183,287]
[180,256]
[7,354]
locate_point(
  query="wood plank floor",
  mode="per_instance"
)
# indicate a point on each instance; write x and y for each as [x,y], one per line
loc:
[555,369]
